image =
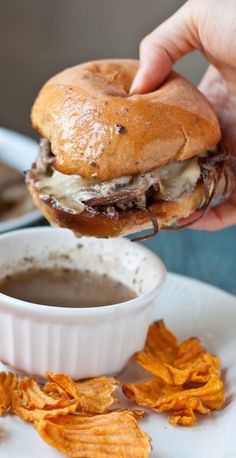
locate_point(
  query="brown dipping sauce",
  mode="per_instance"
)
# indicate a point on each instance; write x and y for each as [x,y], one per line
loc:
[14,197]
[65,288]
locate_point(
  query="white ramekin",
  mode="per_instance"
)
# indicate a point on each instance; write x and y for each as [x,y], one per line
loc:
[83,342]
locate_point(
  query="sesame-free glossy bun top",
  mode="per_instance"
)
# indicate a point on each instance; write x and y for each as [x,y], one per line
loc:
[97,130]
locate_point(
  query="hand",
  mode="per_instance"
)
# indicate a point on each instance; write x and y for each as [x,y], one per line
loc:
[209,26]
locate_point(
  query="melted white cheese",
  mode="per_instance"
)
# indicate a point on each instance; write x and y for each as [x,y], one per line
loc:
[177,178]
[71,190]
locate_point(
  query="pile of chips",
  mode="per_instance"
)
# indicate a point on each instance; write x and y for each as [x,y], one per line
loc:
[74,417]
[187,377]
[77,418]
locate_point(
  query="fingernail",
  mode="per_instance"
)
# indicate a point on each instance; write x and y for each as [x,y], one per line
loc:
[135,86]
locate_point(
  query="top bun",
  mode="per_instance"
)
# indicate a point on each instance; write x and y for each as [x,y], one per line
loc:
[98,131]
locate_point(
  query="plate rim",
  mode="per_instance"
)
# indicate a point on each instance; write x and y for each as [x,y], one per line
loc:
[216,289]
[34,215]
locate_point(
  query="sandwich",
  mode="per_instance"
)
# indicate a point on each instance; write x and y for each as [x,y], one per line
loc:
[112,164]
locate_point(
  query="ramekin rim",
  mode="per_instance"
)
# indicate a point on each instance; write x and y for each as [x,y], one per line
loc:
[8,303]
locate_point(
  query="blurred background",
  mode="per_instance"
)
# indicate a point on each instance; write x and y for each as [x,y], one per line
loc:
[40,37]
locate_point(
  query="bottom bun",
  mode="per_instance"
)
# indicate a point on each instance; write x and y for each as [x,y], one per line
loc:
[92,223]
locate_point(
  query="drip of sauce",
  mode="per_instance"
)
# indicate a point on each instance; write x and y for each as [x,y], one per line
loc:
[65,287]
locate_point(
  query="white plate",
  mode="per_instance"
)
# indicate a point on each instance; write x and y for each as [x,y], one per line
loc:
[19,151]
[189,308]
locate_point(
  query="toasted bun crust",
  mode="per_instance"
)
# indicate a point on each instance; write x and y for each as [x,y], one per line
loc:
[97,129]
[90,223]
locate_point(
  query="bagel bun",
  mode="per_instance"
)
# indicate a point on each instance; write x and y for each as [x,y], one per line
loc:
[111,164]
[97,130]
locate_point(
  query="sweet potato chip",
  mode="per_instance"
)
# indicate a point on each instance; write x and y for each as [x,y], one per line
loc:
[55,391]
[65,384]
[176,364]
[73,418]
[195,371]
[211,394]
[94,395]
[114,434]
[184,417]
[161,342]
[188,351]
[162,397]
[147,393]
[187,377]
[199,371]
[169,374]
[8,382]
[31,403]
[32,396]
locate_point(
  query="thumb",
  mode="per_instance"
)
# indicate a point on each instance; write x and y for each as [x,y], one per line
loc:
[162,48]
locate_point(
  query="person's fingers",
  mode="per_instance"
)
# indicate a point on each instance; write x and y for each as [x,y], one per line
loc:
[162,48]
[217,218]
[222,96]
[211,76]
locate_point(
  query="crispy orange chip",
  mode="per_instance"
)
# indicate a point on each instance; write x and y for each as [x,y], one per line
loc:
[31,403]
[32,396]
[161,397]
[199,371]
[161,342]
[55,391]
[8,382]
[148,393]
[94,395]
[115,434]
[184,417]
[176,364]
[193,371]
[187,377]
[169,374]
[188,351]
[65,384]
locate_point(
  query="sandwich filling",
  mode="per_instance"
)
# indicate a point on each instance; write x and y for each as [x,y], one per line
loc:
[167,183]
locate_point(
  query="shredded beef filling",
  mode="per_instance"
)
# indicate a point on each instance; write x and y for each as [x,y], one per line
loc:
[73,194]
[169,182]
